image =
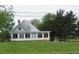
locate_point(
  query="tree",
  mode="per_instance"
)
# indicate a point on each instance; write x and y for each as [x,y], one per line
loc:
[78,25]
[35,22]
[61,25]
[6,19]
[46,23]
[64,24]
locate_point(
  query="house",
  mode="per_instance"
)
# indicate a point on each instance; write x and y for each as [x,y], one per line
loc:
[26,31]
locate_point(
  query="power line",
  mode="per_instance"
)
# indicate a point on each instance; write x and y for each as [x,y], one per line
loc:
[32,12]
[29,15]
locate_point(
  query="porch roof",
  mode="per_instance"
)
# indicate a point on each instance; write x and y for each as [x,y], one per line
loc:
[33,32]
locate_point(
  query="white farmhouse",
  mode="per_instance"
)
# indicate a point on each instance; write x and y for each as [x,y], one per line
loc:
[26,31]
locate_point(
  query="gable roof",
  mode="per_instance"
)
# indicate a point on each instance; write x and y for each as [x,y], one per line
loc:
[27,26]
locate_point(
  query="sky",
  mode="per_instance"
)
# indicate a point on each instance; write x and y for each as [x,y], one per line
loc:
[29,12]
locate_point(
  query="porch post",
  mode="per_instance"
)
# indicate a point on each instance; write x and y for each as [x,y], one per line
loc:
[24,35]
[30,35]
[42,35]
[11,36]
[36,35]
[49,35]
[18,35]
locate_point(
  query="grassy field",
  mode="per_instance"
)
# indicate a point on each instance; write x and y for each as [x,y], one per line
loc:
[39,47]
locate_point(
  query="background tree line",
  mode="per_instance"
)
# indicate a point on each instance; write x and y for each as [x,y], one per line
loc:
[62,24]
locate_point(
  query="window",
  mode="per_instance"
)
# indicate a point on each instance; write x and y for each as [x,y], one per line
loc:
[45,35]
[19,28]
[27,35]
[14,36]
[21,35]
[33,35]
[39,35]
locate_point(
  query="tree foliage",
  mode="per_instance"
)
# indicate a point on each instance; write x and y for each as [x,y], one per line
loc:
[64,24]
[6,19]
[60,24]
[35,22]
[46,23]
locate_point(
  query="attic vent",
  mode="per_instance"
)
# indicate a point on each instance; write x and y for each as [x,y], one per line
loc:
[19,28]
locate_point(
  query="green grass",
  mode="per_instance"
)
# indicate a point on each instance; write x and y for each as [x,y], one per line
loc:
[38,47]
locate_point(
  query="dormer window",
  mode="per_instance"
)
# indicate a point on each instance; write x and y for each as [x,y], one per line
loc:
[19,28]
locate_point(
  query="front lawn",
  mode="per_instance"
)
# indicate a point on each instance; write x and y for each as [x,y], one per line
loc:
[39,47]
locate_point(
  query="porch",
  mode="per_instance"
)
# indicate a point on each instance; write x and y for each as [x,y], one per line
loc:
[42,35]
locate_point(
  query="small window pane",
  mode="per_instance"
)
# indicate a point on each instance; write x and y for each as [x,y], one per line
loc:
[45,35]
[27,35]
[21,35]
[14,36]
[39,35]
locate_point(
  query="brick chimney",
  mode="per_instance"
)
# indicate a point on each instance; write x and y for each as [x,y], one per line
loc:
[18,21]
